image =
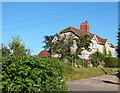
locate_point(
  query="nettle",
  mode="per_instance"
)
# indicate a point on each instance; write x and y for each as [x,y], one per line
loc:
[31,74]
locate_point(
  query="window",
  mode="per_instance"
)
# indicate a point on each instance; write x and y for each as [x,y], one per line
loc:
[93,45]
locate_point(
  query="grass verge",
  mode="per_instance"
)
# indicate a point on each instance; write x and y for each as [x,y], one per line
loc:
[80,73]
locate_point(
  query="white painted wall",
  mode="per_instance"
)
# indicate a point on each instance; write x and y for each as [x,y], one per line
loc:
[95,46]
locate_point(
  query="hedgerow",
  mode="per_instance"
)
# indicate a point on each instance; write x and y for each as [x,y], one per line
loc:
[31,74]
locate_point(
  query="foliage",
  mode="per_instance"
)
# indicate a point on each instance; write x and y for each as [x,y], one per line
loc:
[17,48]
[96,58]
[104,52]
[118,47]
[5,51]
[83,43]
[30,74]
[66,69]
[79,62]
[111,62]
[48,43]
[72,59]
[55,45]
[109,54]
[62,45]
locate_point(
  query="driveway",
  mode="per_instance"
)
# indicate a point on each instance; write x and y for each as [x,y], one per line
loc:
[101,83]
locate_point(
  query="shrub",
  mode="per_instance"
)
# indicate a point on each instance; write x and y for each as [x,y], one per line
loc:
[31,74]
[111,62]
[79,62]
[66,68]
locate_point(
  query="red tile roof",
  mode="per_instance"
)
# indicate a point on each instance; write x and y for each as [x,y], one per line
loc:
[78,32]
[74,30]
[43,53]
[101,40]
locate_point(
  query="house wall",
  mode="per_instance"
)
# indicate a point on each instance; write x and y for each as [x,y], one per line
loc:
[100,48]
[95,46]
[113,51]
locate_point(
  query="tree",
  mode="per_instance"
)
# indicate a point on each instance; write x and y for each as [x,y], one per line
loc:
[18,48]
[5,51]
[118,47]
[82,43]
[109,54]
[62,45]
[59,45]
[96,58]
[104,52]
[48,43]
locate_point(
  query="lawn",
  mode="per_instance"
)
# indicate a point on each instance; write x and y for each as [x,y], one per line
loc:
[80,73]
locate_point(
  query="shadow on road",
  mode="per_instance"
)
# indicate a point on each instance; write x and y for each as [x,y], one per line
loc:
[110,82]
[117,75]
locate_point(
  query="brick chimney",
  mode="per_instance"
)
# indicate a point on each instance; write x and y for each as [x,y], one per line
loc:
[85,27]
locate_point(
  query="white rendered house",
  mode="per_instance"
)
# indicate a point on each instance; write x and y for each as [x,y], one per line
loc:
[98,43]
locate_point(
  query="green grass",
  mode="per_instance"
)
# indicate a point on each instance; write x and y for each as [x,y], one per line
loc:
[80,73]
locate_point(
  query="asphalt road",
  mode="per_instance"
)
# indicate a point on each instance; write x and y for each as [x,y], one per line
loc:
[101,83]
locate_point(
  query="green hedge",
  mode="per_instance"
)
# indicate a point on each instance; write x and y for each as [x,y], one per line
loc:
[31,74]
[111,62]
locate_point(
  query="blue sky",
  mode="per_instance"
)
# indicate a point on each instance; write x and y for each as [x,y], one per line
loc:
[32,21]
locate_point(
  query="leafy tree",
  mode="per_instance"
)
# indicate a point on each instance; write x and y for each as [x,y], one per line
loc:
[18,48]
[104,52]
[109,54]
[59,45]
[83,43]
[96,58]
[5,51]
[63,45]
[48,43]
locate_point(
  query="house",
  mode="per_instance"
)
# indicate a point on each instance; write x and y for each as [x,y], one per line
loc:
[98,43]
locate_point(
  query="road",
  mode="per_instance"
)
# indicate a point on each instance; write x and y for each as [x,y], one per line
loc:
[101,83]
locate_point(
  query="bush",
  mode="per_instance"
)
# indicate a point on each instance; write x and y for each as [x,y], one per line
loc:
[66,68]
[79,62]
[31,74]
[111,62]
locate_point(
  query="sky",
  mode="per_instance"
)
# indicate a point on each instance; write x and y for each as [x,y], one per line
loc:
[33,20]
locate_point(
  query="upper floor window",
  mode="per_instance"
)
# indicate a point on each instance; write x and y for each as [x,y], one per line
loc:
[93,45]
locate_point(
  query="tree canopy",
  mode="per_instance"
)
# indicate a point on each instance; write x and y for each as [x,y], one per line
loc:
[62,44]
[15,47]
[118,47]
[96,58]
